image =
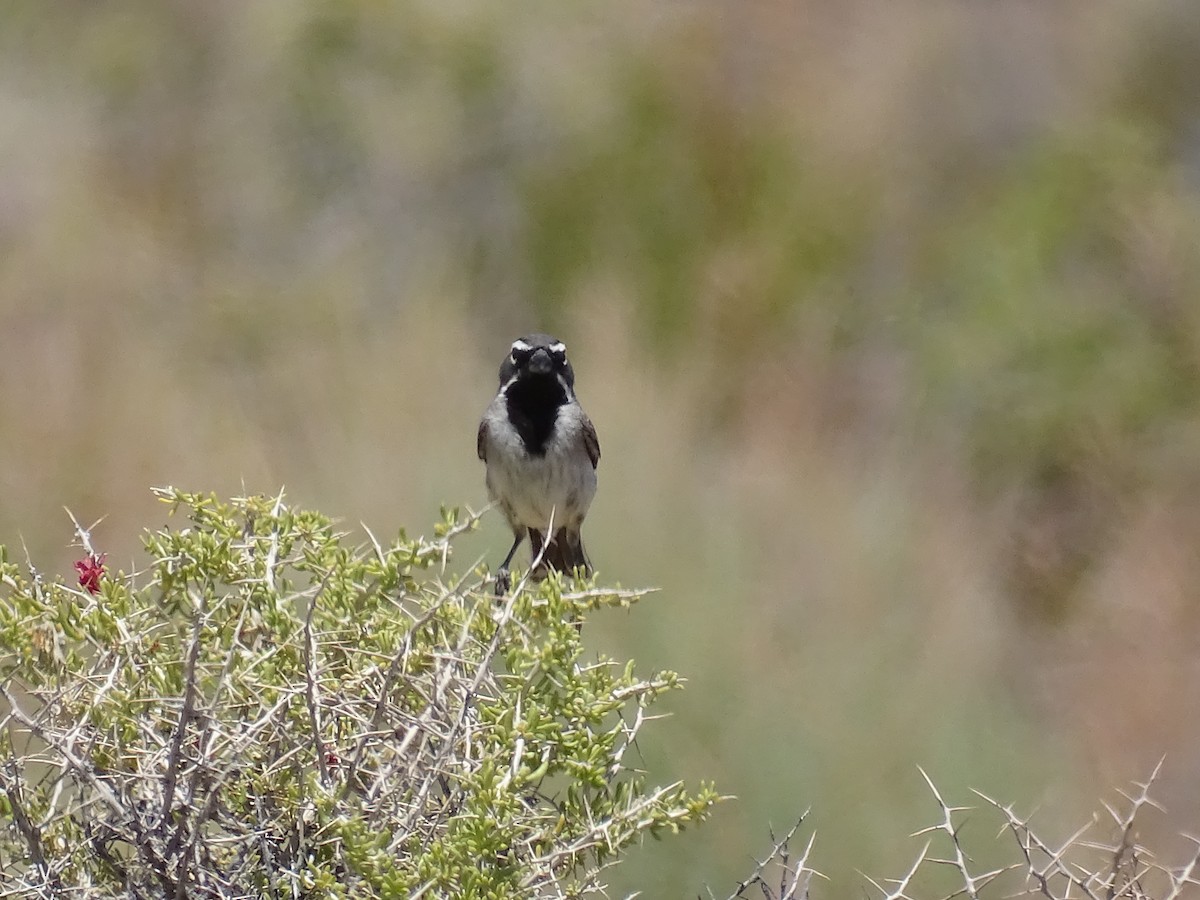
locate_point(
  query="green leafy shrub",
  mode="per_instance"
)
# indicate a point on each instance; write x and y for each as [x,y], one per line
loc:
[267,710]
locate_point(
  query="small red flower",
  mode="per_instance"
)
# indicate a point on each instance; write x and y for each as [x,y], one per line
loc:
[90,570]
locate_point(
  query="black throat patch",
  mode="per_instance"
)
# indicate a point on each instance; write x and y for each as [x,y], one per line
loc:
[533,402]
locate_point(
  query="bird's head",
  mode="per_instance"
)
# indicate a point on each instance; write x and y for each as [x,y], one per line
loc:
[537,357]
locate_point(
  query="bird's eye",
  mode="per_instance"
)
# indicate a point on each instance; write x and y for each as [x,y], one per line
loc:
[560,357]
[519,356]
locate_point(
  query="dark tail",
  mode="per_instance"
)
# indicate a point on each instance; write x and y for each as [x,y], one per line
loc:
[564,553]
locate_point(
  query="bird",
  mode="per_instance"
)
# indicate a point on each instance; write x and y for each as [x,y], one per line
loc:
[540,451]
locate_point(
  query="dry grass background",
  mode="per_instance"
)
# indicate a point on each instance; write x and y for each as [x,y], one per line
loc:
[886,313]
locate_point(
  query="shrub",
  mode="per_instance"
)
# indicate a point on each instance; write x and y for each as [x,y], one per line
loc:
[268,710]
[1104,859]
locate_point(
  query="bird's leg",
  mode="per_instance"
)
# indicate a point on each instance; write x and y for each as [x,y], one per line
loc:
[502,579]
[535,543]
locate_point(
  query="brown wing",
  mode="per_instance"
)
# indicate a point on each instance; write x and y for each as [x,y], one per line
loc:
[481,441]
[590,441]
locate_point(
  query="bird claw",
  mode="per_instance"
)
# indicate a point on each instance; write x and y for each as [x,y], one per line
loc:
[503,582]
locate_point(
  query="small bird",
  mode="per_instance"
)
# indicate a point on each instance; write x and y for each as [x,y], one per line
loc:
[541,452]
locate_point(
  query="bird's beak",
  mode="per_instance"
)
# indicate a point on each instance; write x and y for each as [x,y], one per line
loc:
[540,362]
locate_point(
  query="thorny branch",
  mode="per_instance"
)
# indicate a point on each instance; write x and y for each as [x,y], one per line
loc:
[795,876]
[1086,864]
[236,726]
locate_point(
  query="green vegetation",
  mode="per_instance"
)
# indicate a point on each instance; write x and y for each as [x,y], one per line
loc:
[268,711]
[886,314]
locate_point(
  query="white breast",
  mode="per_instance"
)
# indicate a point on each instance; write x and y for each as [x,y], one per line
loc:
[530,489]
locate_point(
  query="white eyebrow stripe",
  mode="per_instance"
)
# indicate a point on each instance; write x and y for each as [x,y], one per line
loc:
[519,344]
[558,347]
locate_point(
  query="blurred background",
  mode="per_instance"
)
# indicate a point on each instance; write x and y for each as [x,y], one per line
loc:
[887,313]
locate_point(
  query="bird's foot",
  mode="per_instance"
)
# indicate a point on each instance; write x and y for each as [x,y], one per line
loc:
[503,582]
